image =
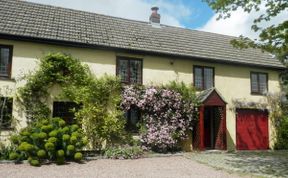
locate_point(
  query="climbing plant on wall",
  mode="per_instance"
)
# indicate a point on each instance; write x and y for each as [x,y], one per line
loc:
[168,112]
[99,114]
[53,69]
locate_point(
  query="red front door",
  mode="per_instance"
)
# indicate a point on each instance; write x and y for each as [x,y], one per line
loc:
[252,130]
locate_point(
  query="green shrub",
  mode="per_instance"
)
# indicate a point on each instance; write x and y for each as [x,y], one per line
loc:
[14,156]
[73,139]
[71,148]
[35,162]
[60,153]
[66,137]
[48,142]
[282,135]
[53,133]
[5,151]
[49,146]
[65,130]
[78,156]
[41,154]
[126,152]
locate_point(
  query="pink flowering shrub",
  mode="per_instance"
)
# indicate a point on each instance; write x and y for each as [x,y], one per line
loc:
[166,114]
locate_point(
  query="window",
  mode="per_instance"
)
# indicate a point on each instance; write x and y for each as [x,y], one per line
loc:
[64,110]
[133,119]
[6,107]
[5,61]
[203,77]
[129,70]
[259,83]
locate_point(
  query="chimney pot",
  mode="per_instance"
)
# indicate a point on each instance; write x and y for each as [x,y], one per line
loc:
[155,17]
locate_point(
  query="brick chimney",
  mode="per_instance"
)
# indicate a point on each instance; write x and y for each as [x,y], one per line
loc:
[155,17]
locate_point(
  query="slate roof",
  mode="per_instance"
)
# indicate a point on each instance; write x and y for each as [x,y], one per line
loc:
[203,95]
[43,22]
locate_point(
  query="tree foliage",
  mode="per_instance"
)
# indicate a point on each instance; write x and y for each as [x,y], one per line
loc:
[273,38]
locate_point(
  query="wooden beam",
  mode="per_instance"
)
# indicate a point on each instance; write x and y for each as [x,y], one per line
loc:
[201,126]
[224,128]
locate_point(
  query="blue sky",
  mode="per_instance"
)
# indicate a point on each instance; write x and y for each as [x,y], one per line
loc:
[200,14]
[193,14]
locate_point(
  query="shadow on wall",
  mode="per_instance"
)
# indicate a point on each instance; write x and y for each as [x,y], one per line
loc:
[230,143]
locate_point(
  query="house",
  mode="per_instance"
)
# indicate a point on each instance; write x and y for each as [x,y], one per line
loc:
[145,53]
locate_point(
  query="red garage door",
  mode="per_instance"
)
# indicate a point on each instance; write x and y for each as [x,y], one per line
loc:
[252,130]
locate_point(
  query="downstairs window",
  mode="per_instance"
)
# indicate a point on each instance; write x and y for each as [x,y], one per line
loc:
[6,108]
[65,110]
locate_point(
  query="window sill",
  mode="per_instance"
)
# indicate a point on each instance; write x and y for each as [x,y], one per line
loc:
[7,79]
[258,94]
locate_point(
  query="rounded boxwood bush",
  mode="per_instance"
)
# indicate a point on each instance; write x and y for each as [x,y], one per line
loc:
[65,130]
[75,134]
[53,133]
[47,128]
[13,156]
[42,135]
[60,153]
[66,137]
[73,139]
[74,127]
[49,140]
[78,156]
[49,146]
[35,162]
[52,140]
[61,123]
[71,148]
[41,154]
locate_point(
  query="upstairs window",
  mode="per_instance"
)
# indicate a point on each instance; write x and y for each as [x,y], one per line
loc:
[259,83]
[5,61]
[6,108]
[65,111]
[203,77]
[129,70]
[132,120]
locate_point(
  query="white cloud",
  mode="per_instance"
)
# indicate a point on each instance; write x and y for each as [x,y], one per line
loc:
[240,23]
[171,13]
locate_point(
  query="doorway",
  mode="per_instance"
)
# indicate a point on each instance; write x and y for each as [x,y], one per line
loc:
[212,120]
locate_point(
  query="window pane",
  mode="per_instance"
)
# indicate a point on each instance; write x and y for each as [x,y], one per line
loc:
[7,106]
[4,62]
[123,70]
[208,78]
[263,83]
[254,83]
[64,110]
[198,77]
[133,118]
[135,71]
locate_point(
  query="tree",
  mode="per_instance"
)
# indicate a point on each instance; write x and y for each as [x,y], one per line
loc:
[273,39]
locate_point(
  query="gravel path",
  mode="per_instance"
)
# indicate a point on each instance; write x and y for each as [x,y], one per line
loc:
[162,167]
[272,164]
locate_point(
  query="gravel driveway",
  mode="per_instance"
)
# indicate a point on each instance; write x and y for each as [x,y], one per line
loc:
[162,167]
[270,164]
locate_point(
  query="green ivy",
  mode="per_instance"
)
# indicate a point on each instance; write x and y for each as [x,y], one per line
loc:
[99,115]
[58,68]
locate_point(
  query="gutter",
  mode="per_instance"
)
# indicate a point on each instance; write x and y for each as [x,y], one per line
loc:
[133,51]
